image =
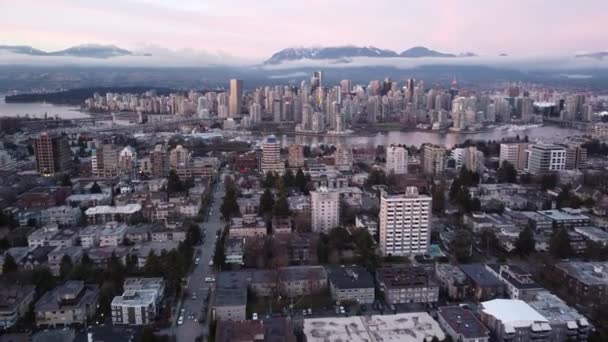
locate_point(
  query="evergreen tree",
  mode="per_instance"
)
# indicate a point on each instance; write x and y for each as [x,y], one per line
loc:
[9,265]
[560,244]
[507,173]
[300,181]
[95,188]
[438,198]
[153,267]
[193,235]
[174,184]
[289,179]
[266,202]
[462,244]
[66,180]
[66,267]
[230,206]
[269,180]
[281,207]
[525,243]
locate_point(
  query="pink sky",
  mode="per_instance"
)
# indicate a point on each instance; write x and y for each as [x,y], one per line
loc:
[257,28]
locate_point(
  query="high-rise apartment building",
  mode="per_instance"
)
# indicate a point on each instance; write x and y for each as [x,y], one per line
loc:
[159,163]
[343,158]
[127,161]
[396,160]
[576,157]
[433,159]
[271,156]
[546,157]
[236,97]
[469,157]
[104,161]
[295,158]
[405,223]
[324,209]
[52,153]
[179,158]
[515,153]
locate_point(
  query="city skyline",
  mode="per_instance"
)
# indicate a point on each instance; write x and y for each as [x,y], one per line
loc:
[235,29]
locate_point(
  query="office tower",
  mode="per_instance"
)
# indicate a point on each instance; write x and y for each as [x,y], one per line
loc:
[433,159]
[410,88]
[276,110]
[159,163]
[296,156]
[236,96]
[325,209]
[546,157]
[127,161]
[405,223]
[345,86]
[52,153]
[316,81]
[515,153]
[318,123]
[576,157]
[104,161]
[396,160]
[179,158]
[343,158]
[527,109]
[255,112]
[271,156]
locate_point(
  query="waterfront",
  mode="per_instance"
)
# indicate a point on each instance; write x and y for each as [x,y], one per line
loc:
[545,133]
[39,109]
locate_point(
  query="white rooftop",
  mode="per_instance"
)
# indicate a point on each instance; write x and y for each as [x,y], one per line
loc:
[513,313]
[106,209]
[406,327]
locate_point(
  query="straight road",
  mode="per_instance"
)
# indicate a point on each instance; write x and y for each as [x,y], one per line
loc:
[194,302]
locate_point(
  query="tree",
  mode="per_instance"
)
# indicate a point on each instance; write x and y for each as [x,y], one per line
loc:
[288,178]
[281,207]
[269,180]
[193,235]
[507,173]
[525,243]
[230,206]
[462,244]
[43,279]
[549,181]
[376,177]
[438,198]
[66,267]
[300,181]
[66,180]
[95,188]
[174,184]
[153,267]
[266,202]
[559,245]
[9,265]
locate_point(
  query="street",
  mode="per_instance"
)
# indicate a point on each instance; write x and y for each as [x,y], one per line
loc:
[196,291]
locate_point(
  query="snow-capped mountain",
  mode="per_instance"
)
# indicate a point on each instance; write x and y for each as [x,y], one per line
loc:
[350,51]
[334,52]
[597,55]
[85,50]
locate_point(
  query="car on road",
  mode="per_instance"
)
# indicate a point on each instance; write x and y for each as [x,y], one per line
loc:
[196,262]
[209,279]
[210,262]
[309,311]
[254,316]
[342,311]
[303,312]
[194,295]
[180,320]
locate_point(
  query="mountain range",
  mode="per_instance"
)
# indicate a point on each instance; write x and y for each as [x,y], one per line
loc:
[85,50]
[349,51]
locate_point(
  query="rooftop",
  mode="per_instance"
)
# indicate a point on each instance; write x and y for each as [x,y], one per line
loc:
[354,277]
[515,276]
[592,233]
[134,298]
[463,322]
[11,296]
[513,313]
[406,327]
[589,273]
[563,215]
[106,209]
[480,275]
[408,276]
[556,310]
